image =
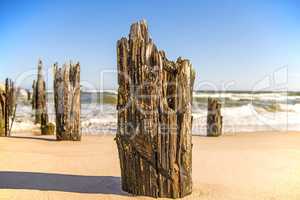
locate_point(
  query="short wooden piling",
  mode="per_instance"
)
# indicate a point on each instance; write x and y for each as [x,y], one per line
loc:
[2,112]
[67,101]
[214,117]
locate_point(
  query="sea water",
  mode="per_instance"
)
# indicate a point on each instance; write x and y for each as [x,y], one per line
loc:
[242,111]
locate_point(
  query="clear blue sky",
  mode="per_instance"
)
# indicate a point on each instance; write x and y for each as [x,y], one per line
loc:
[232,40]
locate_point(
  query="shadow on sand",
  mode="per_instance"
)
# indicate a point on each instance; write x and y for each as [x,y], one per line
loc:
[51,139]
[61,182]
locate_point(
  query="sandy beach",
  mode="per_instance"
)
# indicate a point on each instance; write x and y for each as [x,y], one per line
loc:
[242,166]
[135,100]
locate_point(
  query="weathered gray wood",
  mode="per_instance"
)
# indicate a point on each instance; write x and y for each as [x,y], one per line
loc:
[154,136]
[214,118]
[28,95]
[39,100]
[40,95]
[9,105]
[67,101]
[46,127]
[33,96]
[2,112]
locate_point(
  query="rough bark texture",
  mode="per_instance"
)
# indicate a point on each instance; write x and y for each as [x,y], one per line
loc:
[33,95]
[154,118]
[9,105]
[67,101]
[49,129]
[39,103]
[214,118]
[44,124]
[28,95]
[2,112]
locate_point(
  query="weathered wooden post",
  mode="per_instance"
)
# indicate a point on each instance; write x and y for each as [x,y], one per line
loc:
[46,127]
[28,95]
[154,135]
[67,101]
[39,102]
[214,118]
[9,105]
[2,111]
[33,96]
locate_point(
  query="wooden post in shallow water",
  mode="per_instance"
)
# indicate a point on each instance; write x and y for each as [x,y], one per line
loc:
[154,135]
[9,105]
[67,101]
[214,118]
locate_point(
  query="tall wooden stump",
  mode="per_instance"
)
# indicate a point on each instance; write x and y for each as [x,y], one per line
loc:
[39,100]
[214,117]
[154,136]
[9,105]
[39,94]
[67,101]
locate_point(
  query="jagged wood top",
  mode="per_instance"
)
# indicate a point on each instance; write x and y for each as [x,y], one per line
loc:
[139,31]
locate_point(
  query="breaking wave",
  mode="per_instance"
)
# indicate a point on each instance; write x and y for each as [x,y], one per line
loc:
[242,112]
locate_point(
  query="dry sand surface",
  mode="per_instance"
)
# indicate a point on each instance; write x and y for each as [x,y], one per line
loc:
[245,166]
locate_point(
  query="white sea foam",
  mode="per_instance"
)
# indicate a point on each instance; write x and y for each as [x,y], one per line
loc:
[237,117]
